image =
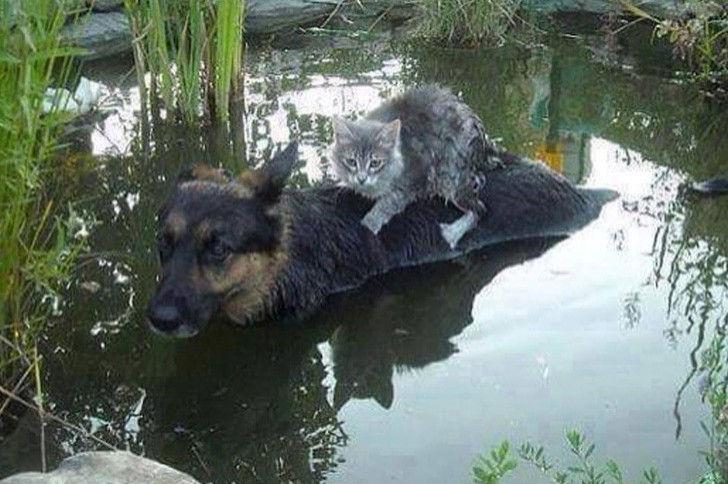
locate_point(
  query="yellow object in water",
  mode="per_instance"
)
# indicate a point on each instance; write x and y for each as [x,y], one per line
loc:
[551,154]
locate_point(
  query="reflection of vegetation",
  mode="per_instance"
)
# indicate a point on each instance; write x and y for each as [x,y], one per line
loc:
[490,469]
[467,22]
[193,51]
[700,39]
[37,244]
[714,362]
[690,256]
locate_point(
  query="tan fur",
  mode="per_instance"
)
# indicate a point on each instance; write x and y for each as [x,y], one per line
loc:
[245,280]
[240,190]
[175,224]
[248,281]
[208,173]
[203,231]
[251,178]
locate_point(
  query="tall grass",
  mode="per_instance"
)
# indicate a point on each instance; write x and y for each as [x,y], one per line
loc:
[36,247]
[190,51]
[467,22]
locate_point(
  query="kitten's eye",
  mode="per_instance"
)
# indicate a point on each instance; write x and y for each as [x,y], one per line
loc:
[350,162]
[375,163]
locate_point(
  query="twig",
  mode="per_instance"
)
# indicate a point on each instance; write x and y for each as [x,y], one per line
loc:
[15,390]
[380,17]
[58,420]
[334,12]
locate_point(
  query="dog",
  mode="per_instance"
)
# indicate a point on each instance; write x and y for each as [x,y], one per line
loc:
[246,248]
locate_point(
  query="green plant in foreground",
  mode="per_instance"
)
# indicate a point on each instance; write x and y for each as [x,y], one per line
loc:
[37,243]
[192,51]
[466,22]
[492,468]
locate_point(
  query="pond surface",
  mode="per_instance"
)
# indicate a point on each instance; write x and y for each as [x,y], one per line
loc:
[411,377]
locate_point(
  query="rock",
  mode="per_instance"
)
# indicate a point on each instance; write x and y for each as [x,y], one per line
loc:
[100,34]
[268,16]
[105,33]
[654,7]
[83,100]
[105,5]
[108,467]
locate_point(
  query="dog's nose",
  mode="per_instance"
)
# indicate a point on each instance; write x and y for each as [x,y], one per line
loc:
[165,318]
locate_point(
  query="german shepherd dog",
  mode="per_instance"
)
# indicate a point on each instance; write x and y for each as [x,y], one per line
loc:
[248,249]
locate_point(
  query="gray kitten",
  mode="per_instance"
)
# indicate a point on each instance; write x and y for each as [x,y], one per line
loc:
[425,142]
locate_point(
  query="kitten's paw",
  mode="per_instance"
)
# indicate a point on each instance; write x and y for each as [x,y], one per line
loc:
[451,234]
[373,224]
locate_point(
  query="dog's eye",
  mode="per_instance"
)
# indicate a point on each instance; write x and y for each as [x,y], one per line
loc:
[218,250]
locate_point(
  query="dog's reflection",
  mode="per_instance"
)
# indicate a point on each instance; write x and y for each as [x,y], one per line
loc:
[407,320]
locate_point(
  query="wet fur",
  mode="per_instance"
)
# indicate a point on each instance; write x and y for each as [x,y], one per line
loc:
[295,248]
[431,144]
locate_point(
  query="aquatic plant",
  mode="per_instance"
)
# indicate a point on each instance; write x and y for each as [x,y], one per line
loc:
[701,40]
[715,393]
[37,243]
[466,22]
[191,52]
[490,469]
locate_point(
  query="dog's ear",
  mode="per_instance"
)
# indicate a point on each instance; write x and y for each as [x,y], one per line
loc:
[203,173]
[267,182]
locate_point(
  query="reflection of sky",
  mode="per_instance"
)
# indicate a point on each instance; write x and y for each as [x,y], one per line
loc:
[323,96]
[550,348]
[571,339]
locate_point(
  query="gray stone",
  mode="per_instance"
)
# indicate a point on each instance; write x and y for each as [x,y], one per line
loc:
[268,16]
[104,34]
[654,7]
[105,468]
[100,34]
[105,5]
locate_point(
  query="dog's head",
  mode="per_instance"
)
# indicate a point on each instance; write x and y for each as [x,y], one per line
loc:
[221,244]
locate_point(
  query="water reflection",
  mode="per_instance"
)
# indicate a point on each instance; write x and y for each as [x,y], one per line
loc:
[269,403]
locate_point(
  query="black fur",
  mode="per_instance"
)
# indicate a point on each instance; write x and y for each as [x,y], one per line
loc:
[330,251]
[326,249]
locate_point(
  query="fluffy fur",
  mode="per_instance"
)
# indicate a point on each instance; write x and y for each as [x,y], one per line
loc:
[424,143]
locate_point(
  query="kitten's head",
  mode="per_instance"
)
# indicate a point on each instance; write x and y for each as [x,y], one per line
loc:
[366,155]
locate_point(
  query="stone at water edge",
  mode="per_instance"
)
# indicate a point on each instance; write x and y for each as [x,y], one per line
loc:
[113,467]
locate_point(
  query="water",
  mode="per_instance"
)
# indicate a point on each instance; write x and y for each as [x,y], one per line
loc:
[411,377]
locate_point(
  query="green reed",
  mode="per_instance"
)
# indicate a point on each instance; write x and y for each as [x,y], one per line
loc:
[191,52]
[467,22]
[37,248]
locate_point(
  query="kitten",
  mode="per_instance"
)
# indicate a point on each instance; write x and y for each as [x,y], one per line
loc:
[425,142]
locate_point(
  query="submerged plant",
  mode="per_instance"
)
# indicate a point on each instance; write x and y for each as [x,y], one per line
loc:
[192,52]
[467,22]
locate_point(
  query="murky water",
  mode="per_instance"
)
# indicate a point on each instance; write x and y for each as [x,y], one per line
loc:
[411,377]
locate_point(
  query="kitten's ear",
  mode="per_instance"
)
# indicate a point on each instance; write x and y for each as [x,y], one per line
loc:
[342,131]
[389,134]
[267,182]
